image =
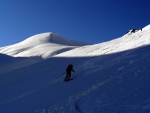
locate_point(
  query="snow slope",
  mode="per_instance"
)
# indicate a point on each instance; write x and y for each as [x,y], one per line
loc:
[9,63]
[109,83]
[126,42]
[45,45]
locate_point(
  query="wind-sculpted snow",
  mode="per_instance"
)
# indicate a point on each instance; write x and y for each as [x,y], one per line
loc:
[126,42]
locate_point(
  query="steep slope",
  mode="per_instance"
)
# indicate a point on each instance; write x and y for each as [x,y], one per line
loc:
[126,42]
[45,45]
[116,82]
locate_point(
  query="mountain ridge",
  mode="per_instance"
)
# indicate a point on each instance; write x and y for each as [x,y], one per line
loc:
[45,45]
[126,42]
[51,44]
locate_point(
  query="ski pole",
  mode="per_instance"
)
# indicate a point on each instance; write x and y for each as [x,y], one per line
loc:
[60,75]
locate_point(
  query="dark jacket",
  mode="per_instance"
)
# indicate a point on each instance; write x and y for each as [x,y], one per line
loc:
[69,68]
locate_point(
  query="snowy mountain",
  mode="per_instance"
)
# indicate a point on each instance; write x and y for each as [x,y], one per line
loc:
[110,77]
[45,45]
[126,42]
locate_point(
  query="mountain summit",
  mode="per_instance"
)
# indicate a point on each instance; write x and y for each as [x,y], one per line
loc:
[45,45]
[50,37]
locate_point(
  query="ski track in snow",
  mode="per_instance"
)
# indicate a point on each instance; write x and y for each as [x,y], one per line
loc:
[73,101]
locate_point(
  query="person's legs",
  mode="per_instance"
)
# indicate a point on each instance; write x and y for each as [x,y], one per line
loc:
[68,75]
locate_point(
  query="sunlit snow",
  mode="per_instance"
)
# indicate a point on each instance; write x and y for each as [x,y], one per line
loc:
[110,77]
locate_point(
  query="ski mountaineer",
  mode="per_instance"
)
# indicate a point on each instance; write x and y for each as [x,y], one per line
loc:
[68,72]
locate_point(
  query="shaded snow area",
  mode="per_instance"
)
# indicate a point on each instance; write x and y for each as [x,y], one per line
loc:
[116,82]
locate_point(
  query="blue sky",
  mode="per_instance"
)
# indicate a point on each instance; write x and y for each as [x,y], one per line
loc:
[92,21]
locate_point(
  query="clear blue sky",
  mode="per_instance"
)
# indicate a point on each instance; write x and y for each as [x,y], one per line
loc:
[91,21]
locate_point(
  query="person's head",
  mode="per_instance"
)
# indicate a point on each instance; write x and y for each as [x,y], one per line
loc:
[70,65]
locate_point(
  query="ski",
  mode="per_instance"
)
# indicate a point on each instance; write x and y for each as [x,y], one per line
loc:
[68,80]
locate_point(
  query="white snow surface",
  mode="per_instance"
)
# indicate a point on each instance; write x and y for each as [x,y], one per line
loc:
[106,81]
[146,28]
[44,45]
[126,42]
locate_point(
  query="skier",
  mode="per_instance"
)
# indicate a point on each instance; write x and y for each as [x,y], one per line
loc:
[68,72]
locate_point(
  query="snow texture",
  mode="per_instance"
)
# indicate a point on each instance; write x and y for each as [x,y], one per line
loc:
[110,77]
[45,45]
